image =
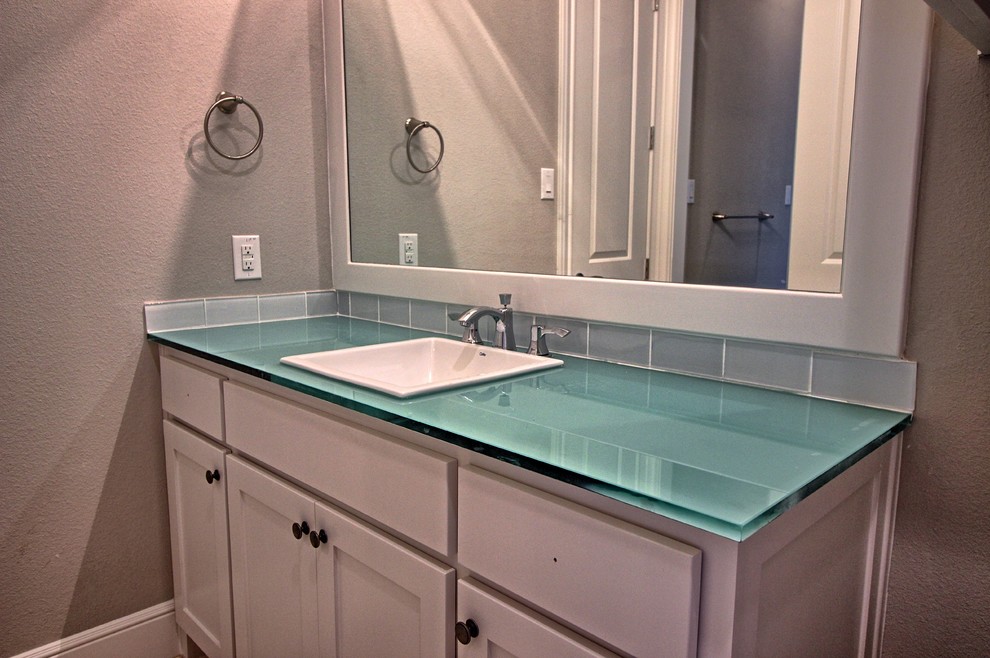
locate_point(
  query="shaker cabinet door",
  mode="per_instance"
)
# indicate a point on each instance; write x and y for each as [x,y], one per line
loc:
[377,596]
[273,572]
[197,504]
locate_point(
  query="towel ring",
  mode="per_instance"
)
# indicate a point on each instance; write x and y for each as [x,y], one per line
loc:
[413,127]
[227,103]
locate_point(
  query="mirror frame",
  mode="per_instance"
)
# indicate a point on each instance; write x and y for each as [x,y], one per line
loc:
[868,316]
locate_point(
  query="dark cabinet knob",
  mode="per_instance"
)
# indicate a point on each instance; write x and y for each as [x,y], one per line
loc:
[317,539]
[465,630]
[300,529]
[213,476]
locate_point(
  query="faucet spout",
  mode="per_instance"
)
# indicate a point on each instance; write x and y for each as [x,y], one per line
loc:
[472,315]
[504,336]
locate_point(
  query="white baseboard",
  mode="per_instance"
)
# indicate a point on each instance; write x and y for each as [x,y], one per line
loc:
[149,633]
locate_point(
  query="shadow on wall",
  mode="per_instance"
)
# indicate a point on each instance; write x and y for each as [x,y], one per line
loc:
[76,21]
[93,527]
[454,68]
[526,84]
[136,466]
[273,58]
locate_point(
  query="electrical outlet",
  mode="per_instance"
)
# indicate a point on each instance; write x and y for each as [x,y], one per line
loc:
[247,256]
[408,249]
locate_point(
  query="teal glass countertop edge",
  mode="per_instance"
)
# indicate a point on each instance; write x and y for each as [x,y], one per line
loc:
[722,457]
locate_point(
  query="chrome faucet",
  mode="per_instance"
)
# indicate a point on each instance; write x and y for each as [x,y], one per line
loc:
[538,338]
[505,338]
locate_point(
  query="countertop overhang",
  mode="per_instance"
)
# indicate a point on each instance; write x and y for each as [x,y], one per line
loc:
[723,457]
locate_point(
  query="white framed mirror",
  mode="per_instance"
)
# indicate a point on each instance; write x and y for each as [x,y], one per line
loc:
[867,316]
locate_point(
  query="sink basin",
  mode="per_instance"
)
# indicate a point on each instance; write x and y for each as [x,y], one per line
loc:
[423,365]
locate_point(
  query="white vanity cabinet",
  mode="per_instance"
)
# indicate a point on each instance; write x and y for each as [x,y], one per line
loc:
[341,589]
[352,536]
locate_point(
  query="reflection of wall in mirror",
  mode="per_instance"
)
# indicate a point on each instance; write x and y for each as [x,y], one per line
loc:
[747,60]
[477,70]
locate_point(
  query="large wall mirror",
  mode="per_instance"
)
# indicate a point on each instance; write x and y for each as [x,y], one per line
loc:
[797,120]
[523,89]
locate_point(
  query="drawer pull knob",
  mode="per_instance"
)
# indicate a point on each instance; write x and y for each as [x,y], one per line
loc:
[213,476]
[465,630]
[298,530]
[317,539]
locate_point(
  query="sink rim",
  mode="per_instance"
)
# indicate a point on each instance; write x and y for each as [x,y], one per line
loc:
[317,362]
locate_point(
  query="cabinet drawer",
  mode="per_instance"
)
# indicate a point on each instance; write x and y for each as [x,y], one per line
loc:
[193,396]
[505,626]
[404,487]
[632,588]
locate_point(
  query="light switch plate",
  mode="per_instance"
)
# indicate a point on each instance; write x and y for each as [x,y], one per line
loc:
[247,256]
[547,183]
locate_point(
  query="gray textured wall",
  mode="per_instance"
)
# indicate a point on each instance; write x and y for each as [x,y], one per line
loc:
[485,73]
[940,572]
[107,199]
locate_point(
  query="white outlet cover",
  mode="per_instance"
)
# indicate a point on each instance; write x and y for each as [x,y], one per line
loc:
[252,268]
[409,249]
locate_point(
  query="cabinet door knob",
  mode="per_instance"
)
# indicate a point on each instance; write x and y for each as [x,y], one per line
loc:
[298,530]
[213,476]
[317,539]
[465,630]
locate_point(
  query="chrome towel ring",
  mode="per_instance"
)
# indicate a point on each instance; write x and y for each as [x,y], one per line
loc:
[413,127]
[227,103]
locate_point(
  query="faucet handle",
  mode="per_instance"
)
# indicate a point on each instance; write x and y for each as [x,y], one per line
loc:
[538,338]
[505,298]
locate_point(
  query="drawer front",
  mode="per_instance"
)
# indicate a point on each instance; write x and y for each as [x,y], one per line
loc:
[193,396]
[404,487]
[634,589]
[506,628]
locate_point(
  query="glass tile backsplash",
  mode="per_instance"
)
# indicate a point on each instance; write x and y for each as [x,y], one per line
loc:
[874,381]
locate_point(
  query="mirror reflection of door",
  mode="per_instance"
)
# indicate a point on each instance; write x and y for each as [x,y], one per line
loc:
[611,81]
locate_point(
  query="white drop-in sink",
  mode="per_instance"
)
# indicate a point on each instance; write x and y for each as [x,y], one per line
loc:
[422,365]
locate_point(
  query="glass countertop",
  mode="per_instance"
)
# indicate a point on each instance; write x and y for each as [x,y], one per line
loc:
[726,458]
